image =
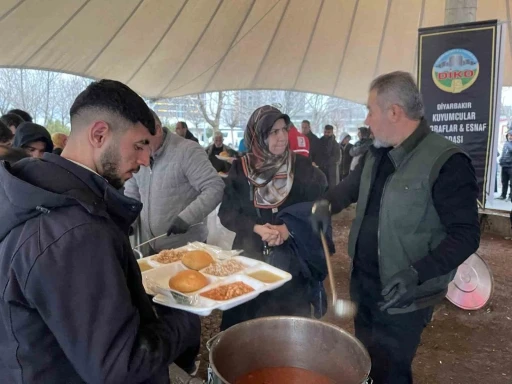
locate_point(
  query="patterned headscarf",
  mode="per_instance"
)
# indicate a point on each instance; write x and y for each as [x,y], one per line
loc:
[271,176]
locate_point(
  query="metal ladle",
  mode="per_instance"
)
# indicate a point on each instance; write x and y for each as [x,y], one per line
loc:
[342,308]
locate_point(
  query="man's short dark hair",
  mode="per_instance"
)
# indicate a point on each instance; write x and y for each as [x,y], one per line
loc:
[12,155]
[21,113]
[11,119]
[329,127]
[116,98]
[183,124]
[5,134]
[307,122]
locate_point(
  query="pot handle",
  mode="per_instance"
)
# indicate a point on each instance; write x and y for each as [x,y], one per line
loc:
[210,342]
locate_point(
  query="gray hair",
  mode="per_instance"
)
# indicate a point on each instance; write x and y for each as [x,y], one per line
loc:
[399,88]
[218,134]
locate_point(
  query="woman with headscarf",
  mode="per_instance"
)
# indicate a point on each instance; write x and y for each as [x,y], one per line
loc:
[261,187]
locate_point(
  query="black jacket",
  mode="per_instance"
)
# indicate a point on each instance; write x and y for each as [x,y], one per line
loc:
[190,136]
[73,309]
[29,132]
[220,165]
[329,153]
[506,156]
[346,159]
[314,147]
[238,214]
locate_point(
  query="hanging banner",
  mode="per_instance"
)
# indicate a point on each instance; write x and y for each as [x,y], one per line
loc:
[457,77]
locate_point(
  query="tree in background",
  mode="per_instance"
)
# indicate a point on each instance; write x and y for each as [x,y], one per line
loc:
[46,95]
[211,108]
[231,113]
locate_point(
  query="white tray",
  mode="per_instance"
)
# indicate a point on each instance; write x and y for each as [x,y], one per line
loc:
[157,282]
[217,253]
[141,261]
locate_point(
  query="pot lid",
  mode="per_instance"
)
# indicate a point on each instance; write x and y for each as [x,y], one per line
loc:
[472,285]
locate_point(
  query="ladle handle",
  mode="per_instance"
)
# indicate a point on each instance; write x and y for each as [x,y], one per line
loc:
[329,269]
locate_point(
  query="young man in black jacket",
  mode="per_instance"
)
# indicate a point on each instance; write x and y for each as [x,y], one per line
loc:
[73,308]
[416,222]
[330,156]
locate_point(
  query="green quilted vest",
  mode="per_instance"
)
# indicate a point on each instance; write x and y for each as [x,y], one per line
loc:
[409,227]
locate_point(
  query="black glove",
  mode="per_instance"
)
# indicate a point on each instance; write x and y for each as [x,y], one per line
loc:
[400,290]
[178,226]
[321,216]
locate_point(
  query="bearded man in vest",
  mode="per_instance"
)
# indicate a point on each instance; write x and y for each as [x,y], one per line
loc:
[416,222]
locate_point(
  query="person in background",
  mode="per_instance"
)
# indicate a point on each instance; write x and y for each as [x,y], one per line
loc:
[361,147]
[416,222]
[346,158]
[215,149]
[330,156]
[12,121]
[6,135]
[33,138]
[59,142]
[183,131]
[11,155]
[506,167]
[21,113]
[178,191]
[242,149]
[299,143]
[261,189]
[314,141]
[73,308]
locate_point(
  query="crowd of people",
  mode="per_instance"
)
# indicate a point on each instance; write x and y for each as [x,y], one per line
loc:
[73,308]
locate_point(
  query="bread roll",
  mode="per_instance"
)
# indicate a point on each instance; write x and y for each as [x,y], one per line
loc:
[224,154]
[197,260]
[188,281]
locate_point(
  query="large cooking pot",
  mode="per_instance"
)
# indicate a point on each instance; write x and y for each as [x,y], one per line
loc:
[287,342]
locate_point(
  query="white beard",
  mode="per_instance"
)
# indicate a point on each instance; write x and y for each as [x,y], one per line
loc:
[377,143]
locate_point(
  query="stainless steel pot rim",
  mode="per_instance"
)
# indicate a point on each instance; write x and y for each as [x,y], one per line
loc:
[217,338]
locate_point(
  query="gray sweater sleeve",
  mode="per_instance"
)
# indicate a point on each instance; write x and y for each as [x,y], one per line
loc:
[131,189]
[204,179]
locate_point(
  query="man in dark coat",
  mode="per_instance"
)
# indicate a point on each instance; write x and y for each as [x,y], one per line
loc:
[506,167]
[215,149]
[314,141]
[346,157]
[183,131]
[73,308]
[329,156]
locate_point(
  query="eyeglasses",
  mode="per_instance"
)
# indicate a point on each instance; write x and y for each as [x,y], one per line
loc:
[275,132]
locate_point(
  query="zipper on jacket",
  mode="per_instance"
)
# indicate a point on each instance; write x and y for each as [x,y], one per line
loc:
[378,228]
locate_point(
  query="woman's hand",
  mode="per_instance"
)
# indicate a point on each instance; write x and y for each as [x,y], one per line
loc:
[282,229]
[268,234]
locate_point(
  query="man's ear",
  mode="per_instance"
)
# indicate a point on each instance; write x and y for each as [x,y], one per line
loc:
[98,133]
[395,113]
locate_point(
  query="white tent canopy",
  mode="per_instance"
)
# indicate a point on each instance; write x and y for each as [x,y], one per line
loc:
[167,48]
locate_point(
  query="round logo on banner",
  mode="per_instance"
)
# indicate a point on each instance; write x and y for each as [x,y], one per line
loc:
[455,70]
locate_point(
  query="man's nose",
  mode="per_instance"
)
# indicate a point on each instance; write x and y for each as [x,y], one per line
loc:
[144,157]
